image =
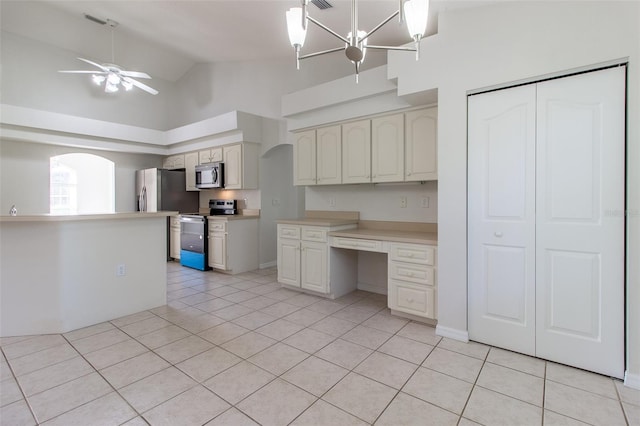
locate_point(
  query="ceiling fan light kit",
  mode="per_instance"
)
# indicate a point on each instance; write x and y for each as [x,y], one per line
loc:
[113,76]
[414,12]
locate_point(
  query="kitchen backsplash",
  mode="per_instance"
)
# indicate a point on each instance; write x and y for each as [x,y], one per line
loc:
[408,202]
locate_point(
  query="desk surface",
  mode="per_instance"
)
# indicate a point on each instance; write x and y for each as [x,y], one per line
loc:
[387,235]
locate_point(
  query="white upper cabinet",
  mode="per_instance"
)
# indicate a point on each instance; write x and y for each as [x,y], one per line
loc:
[421,157]
[212,155]
[190,163]
[329,155]
[387,148]
[240,166]
[173,162]
[356,152]
[304,158]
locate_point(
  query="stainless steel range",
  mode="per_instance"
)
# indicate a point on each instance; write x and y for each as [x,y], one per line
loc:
[194,246]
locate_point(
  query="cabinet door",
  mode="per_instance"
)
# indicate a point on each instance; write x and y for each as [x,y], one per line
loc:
[356,152]
[167,163]
[218,250]
[304,158]
[190,163]
[289,261]
[421,129]
[329,155]
[313,266]
[174,238]
[210,155]
[387,148]
[232,166]
[204,157]
[178,161]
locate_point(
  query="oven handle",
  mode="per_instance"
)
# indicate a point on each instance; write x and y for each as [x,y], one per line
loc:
[191,219]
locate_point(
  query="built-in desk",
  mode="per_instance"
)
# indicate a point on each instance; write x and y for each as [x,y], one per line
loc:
[411,266]
[321,254]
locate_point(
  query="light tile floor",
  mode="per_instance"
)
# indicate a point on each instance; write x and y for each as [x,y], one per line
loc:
[240,350]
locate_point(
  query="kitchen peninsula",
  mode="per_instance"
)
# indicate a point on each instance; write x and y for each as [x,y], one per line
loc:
[60,273]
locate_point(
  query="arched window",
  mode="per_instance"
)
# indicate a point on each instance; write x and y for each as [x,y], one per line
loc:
[81,184]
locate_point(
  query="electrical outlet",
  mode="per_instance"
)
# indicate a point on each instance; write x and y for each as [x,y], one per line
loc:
[275,202]
[121,270]
[424,203]
[403,202]
[332,202]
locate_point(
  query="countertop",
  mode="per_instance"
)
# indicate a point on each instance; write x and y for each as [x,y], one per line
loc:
[81,217]
[233,217]
[388,235]
[318,221]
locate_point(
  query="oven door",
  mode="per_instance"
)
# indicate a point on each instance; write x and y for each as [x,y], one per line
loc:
[193,233]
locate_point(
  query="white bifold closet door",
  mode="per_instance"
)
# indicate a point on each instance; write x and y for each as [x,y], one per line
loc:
[545,222]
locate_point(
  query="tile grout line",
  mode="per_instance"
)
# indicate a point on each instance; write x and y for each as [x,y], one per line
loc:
[15,378]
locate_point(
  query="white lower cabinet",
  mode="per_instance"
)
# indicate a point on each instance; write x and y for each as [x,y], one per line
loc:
[412,279]
[174,237]
[303,256]
[313,266]
[233,244]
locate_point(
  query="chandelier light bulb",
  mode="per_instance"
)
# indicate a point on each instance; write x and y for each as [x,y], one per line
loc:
[98,79]
[113,79]
[110,87]
[127,85]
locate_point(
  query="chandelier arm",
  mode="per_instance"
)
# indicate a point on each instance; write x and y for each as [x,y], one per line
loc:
[380,25]
[407,49]
[327,29]
[323,52]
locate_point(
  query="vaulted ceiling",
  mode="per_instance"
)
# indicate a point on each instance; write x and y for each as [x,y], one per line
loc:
[167,37]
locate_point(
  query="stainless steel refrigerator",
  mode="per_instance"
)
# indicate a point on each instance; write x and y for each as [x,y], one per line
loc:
[161,189]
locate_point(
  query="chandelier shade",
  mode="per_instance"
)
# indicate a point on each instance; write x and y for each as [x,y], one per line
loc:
[297,33]
[414,12]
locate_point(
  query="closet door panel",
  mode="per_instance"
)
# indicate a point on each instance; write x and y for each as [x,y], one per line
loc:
[501,227]
[580,238]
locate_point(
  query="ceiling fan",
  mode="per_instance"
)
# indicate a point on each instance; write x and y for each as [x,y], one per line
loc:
[113,76]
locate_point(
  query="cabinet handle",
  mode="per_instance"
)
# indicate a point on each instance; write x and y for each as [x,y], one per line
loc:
[498,234]
[410,300]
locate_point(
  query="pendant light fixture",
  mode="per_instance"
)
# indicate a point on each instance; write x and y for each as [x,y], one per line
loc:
[414,12]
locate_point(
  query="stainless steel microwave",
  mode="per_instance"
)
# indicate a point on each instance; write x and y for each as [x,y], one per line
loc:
[210,175]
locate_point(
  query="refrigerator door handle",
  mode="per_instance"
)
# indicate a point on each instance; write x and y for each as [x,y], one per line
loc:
[144,198]
[140,200]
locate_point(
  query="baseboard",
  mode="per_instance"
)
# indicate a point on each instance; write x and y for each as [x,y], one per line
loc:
[452,333]
[268,264]
[632,380]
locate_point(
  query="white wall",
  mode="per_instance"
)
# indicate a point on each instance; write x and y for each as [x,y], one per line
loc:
[24,175]
[509,42]
[377,201]
[255,86]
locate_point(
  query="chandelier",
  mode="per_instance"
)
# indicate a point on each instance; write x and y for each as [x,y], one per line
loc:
[414,12]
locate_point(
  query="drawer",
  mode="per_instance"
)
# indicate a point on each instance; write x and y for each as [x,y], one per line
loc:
[414,253]
[412,299]
[416,273]
[357,244]
[289,231]
[312,233]
[217,226]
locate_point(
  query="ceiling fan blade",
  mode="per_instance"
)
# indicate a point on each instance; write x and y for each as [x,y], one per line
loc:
[135,74]
[103,68]
[84,72]
[141,85]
